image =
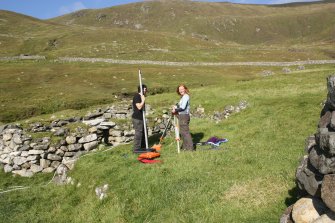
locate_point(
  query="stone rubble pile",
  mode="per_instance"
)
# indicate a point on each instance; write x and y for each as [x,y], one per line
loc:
[315,175]
[229,110]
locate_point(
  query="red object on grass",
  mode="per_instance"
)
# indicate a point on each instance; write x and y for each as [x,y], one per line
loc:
[148,160]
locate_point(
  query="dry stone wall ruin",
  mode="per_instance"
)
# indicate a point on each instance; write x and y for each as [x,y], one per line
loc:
[24,155]
[315,176]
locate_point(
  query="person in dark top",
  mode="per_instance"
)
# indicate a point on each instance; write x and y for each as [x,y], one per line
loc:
[137,118]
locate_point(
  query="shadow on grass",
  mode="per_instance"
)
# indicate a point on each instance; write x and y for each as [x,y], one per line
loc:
[154,139]
[294,195]
[197,137]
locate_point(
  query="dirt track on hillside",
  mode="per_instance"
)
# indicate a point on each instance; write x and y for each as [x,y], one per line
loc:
[167,63]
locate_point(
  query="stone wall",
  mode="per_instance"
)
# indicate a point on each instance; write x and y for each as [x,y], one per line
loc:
[25,155]
[22,154]
[315,175]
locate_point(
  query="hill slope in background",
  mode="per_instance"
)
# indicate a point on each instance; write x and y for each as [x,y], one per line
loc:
[222,22]
[21,34]
[178,31]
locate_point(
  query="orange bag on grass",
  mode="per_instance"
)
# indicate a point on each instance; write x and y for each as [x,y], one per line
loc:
[149,155]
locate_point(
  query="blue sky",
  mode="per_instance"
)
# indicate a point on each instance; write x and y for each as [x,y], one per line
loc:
[44,9]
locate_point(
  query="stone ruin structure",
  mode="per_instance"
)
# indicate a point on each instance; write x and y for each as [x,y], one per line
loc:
[24,155]
[315,176]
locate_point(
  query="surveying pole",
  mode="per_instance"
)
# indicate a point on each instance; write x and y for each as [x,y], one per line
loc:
[176,130]
[143,109]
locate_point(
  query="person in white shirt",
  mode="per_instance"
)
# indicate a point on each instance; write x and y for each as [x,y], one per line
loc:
[182,110]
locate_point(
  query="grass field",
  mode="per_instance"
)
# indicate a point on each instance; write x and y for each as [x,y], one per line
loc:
[251,179]
[46,87]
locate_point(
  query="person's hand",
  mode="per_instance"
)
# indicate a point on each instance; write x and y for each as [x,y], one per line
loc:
[142,97]
[174,109]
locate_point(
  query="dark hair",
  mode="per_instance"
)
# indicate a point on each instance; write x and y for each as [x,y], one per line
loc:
[139,88]
[182,85]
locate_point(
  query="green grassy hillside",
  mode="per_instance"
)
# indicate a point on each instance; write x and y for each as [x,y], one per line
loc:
[47,87]
[20,34]
[177,31]
[218,22]
[299,30]
[34,36]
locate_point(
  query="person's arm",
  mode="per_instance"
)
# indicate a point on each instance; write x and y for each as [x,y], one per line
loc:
[141,104]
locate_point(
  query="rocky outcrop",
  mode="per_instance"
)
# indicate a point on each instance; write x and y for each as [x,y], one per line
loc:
[315,175]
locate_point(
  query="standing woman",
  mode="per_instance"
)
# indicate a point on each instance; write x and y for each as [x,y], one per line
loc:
[183,113]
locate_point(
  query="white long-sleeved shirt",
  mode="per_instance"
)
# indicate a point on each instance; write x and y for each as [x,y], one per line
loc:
[184,105]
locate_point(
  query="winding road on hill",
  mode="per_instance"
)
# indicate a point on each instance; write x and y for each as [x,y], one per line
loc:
[168,63]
